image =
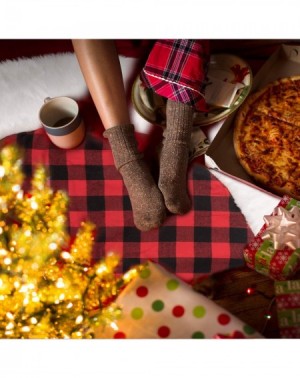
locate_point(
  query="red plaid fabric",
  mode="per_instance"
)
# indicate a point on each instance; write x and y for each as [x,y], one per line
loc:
[209,238]
[176,69]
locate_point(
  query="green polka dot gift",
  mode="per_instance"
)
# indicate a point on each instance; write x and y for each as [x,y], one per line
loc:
[157,304]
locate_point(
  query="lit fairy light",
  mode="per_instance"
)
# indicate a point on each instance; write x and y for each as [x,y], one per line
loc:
[2,171]
[26,301]
[27,233]
[114,326]
[130,274]
[17,284]
[69,305]
[16,188]
[101,269]
[3,252]
[33,204]
[35,299]
[20,195]
[33,320]
[66,255]
[79,319]
[10,326]
[25,329]
[9,315]
[60,283]
[7,261]
[250,290]
[53,246]
[25,288]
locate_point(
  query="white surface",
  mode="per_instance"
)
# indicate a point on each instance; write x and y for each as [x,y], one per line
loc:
[24,83]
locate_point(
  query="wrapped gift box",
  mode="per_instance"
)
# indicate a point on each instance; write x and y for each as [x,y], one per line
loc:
[157,304]
[288,308]
[275,250]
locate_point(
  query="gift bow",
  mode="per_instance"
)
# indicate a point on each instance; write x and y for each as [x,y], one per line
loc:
[283,228]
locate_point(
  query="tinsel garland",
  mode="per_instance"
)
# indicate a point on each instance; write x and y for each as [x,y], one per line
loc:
[49,287]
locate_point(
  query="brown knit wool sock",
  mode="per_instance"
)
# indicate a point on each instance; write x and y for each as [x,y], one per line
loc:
[174,157]
[146,199]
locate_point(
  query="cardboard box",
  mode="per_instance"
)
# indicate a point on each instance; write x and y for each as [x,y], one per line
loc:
[221,154]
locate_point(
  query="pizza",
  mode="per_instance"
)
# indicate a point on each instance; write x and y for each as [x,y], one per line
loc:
[266,136]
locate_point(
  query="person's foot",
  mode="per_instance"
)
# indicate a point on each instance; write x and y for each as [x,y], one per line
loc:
[175,156]
[173,179]
[147,202]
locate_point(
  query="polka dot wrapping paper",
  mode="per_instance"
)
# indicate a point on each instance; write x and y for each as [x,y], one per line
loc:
[157,304]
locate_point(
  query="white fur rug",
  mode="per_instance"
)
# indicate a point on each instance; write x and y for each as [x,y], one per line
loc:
[26,82]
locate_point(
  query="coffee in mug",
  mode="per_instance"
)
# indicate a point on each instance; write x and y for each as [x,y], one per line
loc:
[62,121]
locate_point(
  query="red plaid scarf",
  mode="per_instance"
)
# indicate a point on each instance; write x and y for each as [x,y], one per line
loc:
[176,69]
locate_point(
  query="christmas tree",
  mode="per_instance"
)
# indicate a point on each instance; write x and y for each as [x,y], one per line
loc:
[49,287]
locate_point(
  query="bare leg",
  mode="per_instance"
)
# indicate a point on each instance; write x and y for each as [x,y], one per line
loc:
[101,69]
[100,66]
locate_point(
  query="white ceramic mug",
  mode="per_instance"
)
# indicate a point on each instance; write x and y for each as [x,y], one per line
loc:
[62,121]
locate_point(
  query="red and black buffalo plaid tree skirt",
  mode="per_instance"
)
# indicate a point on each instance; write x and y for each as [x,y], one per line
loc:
[208,239]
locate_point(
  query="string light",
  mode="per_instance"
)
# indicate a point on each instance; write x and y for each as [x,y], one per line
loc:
[250,290]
